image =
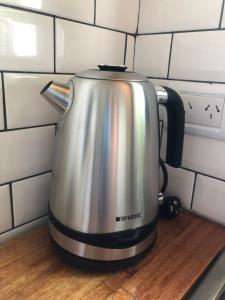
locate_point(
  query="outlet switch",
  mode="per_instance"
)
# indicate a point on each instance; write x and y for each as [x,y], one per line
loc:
[203,110]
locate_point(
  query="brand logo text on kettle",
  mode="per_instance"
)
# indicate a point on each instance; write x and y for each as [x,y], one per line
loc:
[127,218]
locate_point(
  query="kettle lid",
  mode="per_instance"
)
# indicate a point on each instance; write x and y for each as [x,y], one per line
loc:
[111,72]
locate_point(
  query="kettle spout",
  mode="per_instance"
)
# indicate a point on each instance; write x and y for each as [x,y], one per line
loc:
[58,94]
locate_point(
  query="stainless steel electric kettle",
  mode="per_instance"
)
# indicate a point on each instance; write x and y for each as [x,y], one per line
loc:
[104,202]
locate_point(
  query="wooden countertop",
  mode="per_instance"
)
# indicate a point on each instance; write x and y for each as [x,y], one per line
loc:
[31,269]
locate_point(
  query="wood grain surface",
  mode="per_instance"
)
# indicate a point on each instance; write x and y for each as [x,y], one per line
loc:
[31,269]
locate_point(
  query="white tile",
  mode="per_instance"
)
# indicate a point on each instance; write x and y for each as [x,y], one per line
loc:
[80,47]
[5,209]
[30,198]
[26,41]
[175,15]
[1,106]
[24,104]
[197,87]
[25,152]
[163,82]
[180,184]
[81,10]
[198,56]
[201,154]
[117,14]
[204,155]
[209,198]
[152,54]
[17,232]
[130,53]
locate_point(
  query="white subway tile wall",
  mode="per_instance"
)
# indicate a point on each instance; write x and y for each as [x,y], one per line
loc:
[41,41]
[17,231]
[130,52]
[180,184]
[107,14]
[177,15]
[198,56]
[195,62]
[26,41]
[24,104]
[25,152]
[209,198]
[27,207]
[79,10]
[79,46]
[152,54]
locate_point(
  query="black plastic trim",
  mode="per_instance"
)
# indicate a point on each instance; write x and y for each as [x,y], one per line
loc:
[114,240]
[175,132]
[112,68]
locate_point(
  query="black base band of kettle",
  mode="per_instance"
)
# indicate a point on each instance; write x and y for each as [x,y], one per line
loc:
[114,240]
[85,263]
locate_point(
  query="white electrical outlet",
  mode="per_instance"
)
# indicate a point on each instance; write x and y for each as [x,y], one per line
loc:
[203,110]
[204,104]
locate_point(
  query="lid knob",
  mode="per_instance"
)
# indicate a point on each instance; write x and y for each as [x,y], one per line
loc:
[113,68]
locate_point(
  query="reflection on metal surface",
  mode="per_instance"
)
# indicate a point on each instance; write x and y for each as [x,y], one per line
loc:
[98,253]
[58,94]
[107,157]
[162,95]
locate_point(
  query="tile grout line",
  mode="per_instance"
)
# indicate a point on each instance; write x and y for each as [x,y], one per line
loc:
[24,178]
[36,72]
[125,51]
[221,14]
[181,31]
[95,11]
[135,40]
[139,6]
[54,44]
[187,80]
[193,190]
[63,18]
[170,54]
[26,223]
[203,174]
[200,173]
[28,127]
[11,204]
[4,102]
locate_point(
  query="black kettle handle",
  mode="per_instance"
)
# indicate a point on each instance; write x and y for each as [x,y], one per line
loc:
[175,131]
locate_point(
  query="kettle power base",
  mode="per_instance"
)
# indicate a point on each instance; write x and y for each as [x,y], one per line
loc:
[100,265]
[89,256]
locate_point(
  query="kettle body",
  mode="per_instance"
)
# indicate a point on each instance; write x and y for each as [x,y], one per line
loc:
[104,199]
